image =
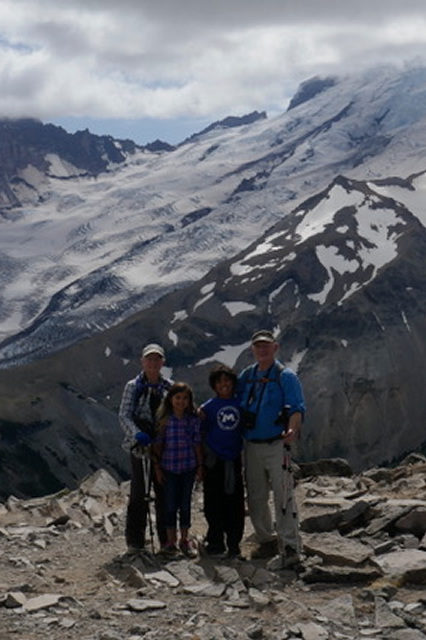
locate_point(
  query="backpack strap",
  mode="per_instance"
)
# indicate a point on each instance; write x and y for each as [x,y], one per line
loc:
[264,380]
[284,415]
[141,389]
[280,368]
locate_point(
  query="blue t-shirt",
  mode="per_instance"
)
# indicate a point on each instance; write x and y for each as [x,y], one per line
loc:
[222,427]
[265,394]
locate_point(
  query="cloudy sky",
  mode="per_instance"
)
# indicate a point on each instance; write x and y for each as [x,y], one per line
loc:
[147,69]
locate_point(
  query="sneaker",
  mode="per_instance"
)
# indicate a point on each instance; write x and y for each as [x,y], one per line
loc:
[266,550]
[234,554]
[187,549]
[170,549]
[214,551]
[164,550]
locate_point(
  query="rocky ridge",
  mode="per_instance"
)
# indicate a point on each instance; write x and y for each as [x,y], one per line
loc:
[65,574]
[27,158]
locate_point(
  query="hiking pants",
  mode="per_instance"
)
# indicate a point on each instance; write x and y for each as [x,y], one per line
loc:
[137,509]
[264,472]
[224,506]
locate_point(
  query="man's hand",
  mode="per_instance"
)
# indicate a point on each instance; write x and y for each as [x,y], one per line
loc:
[142,439]
[293,429]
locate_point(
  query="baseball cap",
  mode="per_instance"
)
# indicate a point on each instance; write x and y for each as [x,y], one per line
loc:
[152,348]
[263,335]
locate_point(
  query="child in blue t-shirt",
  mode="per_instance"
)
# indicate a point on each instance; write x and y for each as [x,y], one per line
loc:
[223,479]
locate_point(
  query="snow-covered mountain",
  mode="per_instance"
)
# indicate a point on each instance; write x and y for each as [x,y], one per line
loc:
[86,251]
[312,224]
[342,282]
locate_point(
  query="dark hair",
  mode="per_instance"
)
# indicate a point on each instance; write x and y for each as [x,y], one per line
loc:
[219,371]
[166,408]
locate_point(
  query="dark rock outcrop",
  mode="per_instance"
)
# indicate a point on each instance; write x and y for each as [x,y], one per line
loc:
[228,123]
[311,88]
[28,142]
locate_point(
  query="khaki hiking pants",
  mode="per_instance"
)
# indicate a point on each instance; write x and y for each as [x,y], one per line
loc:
[264,472]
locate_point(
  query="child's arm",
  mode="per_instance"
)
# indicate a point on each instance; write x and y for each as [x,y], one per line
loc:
[156,455]
[199,456]
[200,413]
[156,451]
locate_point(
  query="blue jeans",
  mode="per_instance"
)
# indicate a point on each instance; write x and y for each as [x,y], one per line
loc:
[178,495]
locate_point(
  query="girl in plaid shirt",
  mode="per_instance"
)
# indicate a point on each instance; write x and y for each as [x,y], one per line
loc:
[178,462]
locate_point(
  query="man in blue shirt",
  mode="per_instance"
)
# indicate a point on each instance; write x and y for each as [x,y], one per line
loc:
[273,408]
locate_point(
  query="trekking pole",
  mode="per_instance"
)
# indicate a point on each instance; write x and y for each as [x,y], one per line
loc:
[146,467]
[288,480]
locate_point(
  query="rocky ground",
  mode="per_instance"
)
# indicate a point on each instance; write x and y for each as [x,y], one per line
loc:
[65,574]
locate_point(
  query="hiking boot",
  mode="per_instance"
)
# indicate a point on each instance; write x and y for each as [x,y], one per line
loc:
[266,550]
[276,563]
[170,549]
[134,550]
[147,557]
[290,560]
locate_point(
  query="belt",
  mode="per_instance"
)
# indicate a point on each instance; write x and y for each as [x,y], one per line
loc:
[265,440]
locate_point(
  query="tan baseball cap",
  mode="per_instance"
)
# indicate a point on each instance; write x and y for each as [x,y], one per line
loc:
[153,348]
[263,335]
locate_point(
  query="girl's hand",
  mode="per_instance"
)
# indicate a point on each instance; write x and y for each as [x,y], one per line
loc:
[200,474]
[159,475]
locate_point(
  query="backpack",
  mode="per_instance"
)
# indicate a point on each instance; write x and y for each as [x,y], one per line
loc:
[142,387]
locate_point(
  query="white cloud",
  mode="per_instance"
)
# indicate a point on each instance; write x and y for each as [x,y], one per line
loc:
[167,59]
